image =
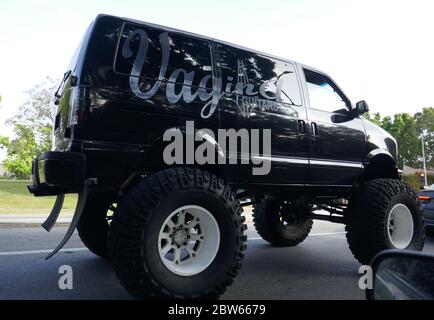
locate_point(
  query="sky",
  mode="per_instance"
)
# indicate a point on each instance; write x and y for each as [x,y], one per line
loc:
[378,51]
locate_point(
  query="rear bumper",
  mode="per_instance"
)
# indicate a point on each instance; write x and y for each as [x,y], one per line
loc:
[56,173]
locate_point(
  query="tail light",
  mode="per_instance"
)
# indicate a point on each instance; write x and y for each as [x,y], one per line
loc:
[77,102]
[424,198]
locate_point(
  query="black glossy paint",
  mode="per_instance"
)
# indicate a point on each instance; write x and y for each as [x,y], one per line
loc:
[336,137]
[127,92]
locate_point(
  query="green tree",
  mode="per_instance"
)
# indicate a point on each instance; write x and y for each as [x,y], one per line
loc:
[374,118]
[425,126]
[403,128]
[20,152]
[38,113]
[33,124]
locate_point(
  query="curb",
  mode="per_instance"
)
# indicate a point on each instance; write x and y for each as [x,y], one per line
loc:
[29,225]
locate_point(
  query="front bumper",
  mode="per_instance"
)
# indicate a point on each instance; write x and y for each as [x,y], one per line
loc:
[56,173]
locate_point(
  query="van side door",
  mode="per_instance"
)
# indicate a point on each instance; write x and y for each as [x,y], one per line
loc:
[260,92]
[337,137]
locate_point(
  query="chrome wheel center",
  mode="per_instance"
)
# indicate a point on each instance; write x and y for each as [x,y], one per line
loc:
[180,237]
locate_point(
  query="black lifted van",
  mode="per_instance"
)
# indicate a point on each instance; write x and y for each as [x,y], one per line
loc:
[176,230]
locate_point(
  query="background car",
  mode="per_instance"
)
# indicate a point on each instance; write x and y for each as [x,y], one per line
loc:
[426,198]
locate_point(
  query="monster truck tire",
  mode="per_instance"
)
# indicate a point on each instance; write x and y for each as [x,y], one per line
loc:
[153,216]
[93,227]
[268,224]
[383,214]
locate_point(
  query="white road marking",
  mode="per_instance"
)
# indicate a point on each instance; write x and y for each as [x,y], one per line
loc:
[312,235]
[326,234]
[30,252]
[23,253]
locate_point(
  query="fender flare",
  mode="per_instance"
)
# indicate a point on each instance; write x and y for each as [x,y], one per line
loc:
[378,152]
[380,157]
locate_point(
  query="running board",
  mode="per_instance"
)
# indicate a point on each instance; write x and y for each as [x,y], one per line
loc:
[54,215]
[82,199]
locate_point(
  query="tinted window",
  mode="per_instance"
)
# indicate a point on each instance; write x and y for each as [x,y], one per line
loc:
[323,94]
[187,53]
[264,77]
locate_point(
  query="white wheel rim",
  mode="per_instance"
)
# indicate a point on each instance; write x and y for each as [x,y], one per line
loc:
[400,226]
[189,240]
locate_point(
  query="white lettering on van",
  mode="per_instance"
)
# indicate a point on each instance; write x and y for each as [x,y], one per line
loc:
[242,88]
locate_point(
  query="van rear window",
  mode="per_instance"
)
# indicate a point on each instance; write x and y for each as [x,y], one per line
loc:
[146,52]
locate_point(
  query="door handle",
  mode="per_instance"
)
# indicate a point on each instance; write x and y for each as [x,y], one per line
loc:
[314,127]
[301,127]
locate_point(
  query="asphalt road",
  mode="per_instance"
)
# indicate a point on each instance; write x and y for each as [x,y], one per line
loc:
[320,268]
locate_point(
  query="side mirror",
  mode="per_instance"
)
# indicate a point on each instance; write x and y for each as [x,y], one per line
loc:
[361,108]
[402,275]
